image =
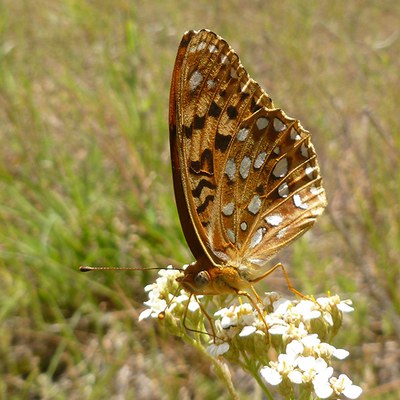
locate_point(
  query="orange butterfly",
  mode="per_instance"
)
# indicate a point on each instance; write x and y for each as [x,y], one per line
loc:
[246,177]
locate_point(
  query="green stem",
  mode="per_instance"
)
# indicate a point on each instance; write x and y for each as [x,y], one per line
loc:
[252,369]
[223,372]
[260,382]
[221,369]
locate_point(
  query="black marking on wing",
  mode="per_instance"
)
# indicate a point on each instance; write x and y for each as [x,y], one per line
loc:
[202,184]
[222,141]
[205,166]
[204,206]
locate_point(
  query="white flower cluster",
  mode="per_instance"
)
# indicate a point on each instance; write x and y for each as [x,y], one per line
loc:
[294,328]
[300,369]
[296,331]
[165,294]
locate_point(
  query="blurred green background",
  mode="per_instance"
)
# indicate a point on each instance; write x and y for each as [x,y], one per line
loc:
[85,179]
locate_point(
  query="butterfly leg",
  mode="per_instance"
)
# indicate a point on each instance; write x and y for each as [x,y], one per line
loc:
[209,319]
[256,307]
[256,294]
[286,276]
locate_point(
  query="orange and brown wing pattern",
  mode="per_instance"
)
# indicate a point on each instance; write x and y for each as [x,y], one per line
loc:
[210,93]
[270,192]
[245,175]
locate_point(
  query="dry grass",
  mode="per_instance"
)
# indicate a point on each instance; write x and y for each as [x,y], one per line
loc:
[84,179]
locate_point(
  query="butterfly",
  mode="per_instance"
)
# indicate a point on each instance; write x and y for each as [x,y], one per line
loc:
[246,178]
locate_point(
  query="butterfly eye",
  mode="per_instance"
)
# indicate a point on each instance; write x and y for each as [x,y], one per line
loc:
[201,279]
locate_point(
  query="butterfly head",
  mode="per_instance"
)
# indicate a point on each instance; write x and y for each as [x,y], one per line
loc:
[202,277]
[195,282]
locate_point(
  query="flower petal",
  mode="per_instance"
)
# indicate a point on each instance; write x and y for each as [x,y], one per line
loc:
[306,363]
[352,391]
[193,306]
[345,307]
[340,354]
[145,314]
[247,330]
[278,329]
[295,376]
[218,349]
[270,375]
[323,390]
[294,348]
[281,306]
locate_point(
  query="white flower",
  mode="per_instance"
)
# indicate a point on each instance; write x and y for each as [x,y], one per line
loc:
[343,385]
[306,310]
[330,305]
[284,367]
[322,387]
[325,386]
[242,314]
[286,362]
[276,325]
[290,325]
[327,303]
[156,306]
[161,297]
[326,351]
[311,367]
[311,341]
[295,332]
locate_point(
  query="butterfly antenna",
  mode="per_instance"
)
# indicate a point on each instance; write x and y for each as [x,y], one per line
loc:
[86,268]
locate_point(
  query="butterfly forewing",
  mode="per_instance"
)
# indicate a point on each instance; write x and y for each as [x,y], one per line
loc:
[209,90]
[246,176]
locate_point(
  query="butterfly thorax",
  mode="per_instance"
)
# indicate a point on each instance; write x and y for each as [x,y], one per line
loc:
[202,277]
